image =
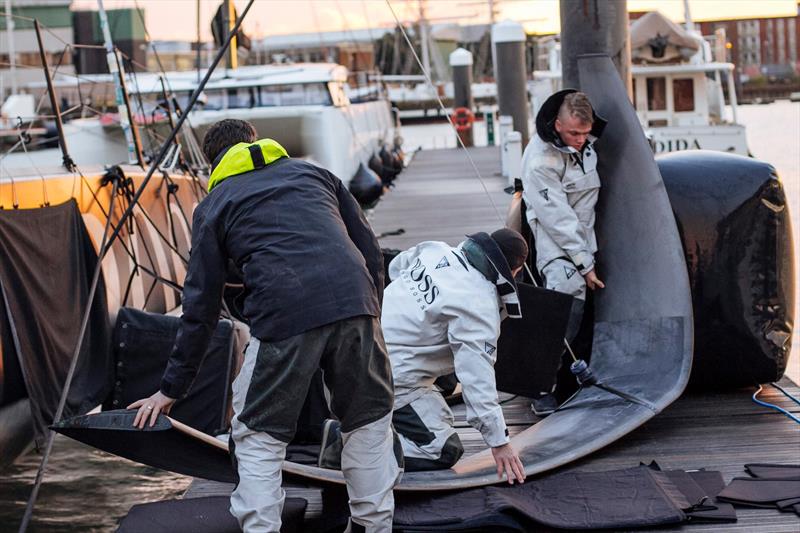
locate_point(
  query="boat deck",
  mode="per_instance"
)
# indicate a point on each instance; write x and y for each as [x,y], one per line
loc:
[439,198]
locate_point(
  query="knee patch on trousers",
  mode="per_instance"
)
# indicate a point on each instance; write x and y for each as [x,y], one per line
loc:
[409,424]
[451,453]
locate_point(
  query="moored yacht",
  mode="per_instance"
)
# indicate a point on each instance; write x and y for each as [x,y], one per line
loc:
[678,89]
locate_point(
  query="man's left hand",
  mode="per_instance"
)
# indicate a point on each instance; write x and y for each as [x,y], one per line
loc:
[151,407]
[592,281]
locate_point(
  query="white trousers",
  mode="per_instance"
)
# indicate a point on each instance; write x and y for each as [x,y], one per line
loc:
[434,418]
[562,276]
[368,464]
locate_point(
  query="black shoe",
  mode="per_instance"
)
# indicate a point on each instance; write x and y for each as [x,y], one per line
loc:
[330,451]
[544,405]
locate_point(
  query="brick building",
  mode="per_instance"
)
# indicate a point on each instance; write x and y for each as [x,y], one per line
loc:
[767,46]
[762,46]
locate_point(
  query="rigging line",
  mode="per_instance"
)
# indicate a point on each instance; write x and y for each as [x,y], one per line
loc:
[70,374]
[163,71]
[353,40]
[449,118]
[167,145]
[461,143]
[161,235]
[139,12]
[348,110]
[67,74]
[372,38]
[38,171]
[46,201]
[41,99]
[138,98]
[458,137]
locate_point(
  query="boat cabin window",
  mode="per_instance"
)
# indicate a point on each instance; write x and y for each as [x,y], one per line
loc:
[683,94]
[295,94]
[656,94]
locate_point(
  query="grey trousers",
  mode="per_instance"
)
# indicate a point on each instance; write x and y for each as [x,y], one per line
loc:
[268,394]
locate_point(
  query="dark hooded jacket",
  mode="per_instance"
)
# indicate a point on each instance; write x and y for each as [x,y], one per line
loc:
[306,253]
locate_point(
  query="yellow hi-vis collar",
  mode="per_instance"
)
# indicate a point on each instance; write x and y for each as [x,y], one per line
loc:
[244,157]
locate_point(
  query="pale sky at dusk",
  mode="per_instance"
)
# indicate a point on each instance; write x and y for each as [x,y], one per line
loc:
[176,19]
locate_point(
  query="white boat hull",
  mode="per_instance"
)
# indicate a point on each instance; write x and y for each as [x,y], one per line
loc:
[722,138]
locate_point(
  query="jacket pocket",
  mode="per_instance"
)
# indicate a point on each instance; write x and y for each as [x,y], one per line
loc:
[580,182]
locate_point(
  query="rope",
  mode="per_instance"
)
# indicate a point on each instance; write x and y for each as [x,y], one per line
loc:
[772,405]
[167,144]
[444,109]
[70,374]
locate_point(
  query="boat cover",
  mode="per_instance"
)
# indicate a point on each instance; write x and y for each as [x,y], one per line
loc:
[529,348]
[142,344]
[633,497]
[168,445]
[733,218]
[209,514]
[45,275]
[773,471]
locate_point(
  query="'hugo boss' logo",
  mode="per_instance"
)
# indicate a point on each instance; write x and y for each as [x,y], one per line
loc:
[421,284]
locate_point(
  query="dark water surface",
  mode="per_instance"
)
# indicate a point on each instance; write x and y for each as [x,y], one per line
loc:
[83,490]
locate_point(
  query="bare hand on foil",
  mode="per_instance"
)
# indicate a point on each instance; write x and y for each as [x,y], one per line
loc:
[508,461]
[151,407]
[592,281]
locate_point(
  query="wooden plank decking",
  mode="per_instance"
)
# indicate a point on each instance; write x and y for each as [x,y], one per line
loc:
[439,198]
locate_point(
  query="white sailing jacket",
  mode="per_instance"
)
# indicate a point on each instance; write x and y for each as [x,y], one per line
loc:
[561,187]
[441,315]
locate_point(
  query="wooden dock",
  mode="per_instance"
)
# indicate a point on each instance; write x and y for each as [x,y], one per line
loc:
[439,197]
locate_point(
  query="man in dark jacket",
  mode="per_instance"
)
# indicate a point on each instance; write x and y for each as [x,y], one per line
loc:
[313,277]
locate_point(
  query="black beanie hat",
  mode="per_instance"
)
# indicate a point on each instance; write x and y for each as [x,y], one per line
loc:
[513,246]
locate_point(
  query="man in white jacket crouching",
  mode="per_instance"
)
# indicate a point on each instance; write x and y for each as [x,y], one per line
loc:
[441,314]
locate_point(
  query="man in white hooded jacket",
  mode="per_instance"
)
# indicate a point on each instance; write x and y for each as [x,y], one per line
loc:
[441,314]
[560,189]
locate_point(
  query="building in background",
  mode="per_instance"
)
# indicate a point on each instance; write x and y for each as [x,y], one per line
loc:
[354,49]
[55,18]
[127,30]
[762,47]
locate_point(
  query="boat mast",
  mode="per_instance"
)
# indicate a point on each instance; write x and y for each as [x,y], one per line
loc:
[117,73]
[66,160]
[12,55]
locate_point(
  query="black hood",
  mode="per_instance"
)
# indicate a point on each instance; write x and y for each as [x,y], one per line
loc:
[546,118]
[501,277]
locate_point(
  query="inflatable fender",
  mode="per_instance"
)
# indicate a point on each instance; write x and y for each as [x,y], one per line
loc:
[734,224]
[366,187]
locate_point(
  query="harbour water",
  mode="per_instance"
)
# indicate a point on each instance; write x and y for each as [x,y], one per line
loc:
[88,490]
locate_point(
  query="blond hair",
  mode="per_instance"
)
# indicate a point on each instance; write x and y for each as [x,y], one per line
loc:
[577,105]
